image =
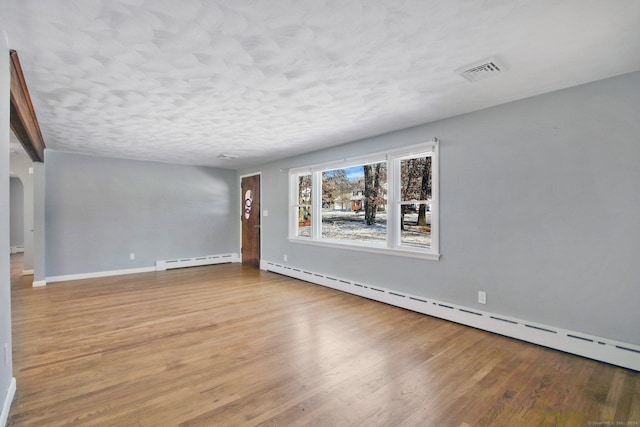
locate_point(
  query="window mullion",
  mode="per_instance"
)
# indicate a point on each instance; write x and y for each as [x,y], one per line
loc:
[316,205]
[293,205]
[393,196]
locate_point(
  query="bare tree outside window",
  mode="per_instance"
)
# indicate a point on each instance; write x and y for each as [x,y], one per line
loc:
[385,202]
[304,205]
[416,193]
[354,203]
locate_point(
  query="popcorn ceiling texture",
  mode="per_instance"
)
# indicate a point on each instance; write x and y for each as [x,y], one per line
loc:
[185,81]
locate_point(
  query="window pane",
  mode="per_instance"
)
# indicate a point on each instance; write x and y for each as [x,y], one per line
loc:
[354,203]
[415,179]
[415,218]
[415,226]
[303,227]
[304,221]
[304,190]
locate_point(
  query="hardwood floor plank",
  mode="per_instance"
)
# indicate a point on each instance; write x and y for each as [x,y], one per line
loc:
[231,345]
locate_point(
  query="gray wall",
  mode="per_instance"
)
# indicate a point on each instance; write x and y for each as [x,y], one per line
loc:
[98,210]
[16,206]
[19,164]
[539,208]
[38,221]
[5,285]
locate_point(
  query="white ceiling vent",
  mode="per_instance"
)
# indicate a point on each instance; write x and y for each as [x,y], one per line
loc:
[227,156]
[481,70]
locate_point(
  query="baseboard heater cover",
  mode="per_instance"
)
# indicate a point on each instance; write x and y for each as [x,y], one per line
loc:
[197,261]
[578,343]
[160,266]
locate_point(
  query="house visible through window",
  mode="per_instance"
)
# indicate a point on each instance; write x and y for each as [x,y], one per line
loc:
[354,203]
[382,203]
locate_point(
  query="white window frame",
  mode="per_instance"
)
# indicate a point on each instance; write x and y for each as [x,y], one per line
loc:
[392,245]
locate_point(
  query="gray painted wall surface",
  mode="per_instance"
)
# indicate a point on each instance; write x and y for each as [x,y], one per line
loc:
[98,210]
[5,284]
[38,235]
[539,208]
[16,205]
[19,164]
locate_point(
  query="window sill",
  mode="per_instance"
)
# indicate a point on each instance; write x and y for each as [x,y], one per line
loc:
[372,249]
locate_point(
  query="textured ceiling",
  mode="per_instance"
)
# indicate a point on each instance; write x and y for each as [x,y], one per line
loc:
[185,81]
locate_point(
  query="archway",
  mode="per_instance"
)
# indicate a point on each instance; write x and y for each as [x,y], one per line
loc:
[16,214]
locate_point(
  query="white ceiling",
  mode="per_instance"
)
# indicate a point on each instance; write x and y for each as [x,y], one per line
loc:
[185,81]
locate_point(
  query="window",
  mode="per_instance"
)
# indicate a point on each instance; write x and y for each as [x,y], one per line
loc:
[415,202]
[354,203]
[386,202]
[303,207]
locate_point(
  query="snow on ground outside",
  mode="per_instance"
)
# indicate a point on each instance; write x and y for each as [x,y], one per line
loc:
[351,226]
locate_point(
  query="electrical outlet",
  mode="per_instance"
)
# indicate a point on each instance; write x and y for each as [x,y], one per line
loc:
[482,297]
[286,258]
[132,256]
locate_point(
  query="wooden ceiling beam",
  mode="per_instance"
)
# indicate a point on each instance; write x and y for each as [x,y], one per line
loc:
[24,122]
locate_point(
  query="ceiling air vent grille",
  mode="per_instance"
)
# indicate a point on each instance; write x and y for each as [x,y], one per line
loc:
[481,70]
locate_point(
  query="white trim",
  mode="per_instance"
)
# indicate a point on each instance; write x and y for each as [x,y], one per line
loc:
[97,274]
[392,244]
[6,406]
[586,345]
[39,283]
[27,272]
[259,213]
[16,249]
[196,261]
[378,156]
[159,266]
[363,247]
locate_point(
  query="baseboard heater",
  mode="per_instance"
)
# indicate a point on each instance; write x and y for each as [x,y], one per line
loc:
[196,261]
[593,347]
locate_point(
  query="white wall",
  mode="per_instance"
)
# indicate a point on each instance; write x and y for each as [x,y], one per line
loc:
[99,210]
[539,203]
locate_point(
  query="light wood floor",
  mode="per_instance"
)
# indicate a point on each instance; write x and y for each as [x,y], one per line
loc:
[229,345]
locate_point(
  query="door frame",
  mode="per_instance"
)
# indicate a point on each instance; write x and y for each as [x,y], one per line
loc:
[238,206]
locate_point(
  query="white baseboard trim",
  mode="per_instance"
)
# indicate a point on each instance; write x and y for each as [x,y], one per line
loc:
[160,266]
[196,261]
[27,272]
[6,406]
[17,249]
[97,274]
[39,283]
[590,346]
